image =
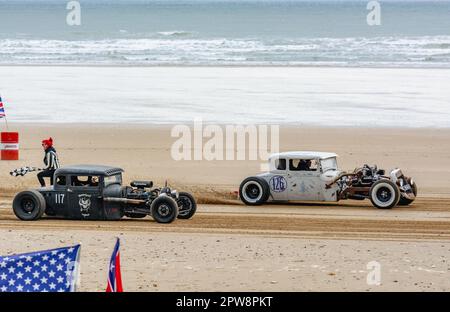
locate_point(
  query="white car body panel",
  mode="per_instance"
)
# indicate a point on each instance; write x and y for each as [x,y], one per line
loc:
[301,185]
[304,185]
[329,194]
[275,179]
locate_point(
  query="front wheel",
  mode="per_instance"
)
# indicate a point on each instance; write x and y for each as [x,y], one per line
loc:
[29,205]
[254,191]
[187,205]
[384,194]
[164,209]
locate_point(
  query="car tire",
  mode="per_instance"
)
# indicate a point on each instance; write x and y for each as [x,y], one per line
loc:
[384,194]
[406,201]
[186,205]
[254,191]
[29,205]
[164,209]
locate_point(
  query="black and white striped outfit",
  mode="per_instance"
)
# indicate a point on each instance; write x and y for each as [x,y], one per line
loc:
[51,162]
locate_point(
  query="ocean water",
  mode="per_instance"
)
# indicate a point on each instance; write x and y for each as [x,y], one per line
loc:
[202,32]
[332,68]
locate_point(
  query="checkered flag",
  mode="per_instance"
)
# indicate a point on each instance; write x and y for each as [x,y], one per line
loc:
[20,172]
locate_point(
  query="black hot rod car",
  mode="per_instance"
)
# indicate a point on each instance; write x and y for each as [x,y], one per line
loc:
[94,192]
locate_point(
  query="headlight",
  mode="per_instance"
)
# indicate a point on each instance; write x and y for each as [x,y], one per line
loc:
[174,193]
[396,174]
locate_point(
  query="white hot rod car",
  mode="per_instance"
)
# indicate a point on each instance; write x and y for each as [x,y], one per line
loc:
[315,176]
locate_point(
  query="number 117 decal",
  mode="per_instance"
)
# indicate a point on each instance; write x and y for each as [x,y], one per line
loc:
[59,198]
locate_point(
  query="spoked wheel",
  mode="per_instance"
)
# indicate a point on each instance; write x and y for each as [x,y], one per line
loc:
[186,205]
[29,205]
[254,191]
[384,194]
[164,209]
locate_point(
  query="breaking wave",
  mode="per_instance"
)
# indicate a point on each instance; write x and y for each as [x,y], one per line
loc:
[176,33]
[178,48]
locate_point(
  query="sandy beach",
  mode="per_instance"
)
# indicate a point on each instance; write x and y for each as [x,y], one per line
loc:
[215,262]
[123,116]
[281,248]
[118,82]
[144,153]
[228,246]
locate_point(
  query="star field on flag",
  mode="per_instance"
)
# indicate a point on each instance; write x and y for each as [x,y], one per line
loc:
[53,270]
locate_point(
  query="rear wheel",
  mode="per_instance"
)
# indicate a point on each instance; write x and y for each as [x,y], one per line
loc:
[187,205]
[29,205]
[406,201]
[164,209]
[254,191]
[384,194]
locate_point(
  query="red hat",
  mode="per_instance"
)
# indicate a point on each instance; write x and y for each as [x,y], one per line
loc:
[48,142]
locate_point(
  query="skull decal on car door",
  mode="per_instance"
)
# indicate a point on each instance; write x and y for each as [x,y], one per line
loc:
[85,204]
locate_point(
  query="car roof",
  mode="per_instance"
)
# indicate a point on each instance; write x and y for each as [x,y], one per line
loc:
[89,170]
[304,155]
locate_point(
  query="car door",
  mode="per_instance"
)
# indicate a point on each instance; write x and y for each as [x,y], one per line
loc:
[277,179]
[57,203]
[84,201]
[303,183]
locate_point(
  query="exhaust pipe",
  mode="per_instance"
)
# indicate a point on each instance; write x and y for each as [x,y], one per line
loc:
[124,200]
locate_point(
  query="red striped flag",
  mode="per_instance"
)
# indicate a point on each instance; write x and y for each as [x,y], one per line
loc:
[114,275]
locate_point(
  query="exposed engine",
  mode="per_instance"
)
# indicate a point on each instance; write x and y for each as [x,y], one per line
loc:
[357,184]
[141,194]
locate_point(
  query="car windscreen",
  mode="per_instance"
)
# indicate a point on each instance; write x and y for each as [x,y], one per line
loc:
[114,179]
[329,164]
[84,181]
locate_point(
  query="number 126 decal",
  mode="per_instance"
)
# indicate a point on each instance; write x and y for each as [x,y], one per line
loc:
[278,184]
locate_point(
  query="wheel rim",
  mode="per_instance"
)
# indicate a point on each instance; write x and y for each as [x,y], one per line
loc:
[27,205]
[384,194]
[186,205]
[163,210]
[252,191]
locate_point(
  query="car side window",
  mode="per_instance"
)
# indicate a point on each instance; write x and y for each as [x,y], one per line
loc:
[84,181]
[61,180]
[280,164]
[303,165]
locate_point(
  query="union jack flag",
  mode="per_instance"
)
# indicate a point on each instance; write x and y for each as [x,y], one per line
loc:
[2,109]
[54,270]
[114,275]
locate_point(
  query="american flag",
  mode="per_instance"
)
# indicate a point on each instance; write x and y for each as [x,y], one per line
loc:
[2,109]
[53,270]
[114,275]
